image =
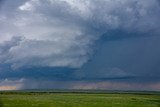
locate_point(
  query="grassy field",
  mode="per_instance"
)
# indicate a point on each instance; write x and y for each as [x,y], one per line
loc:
[63,99]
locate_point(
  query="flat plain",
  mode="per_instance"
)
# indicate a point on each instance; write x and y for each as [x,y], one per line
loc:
[79,99]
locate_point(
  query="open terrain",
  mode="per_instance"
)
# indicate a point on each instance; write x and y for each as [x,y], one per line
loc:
[79,99]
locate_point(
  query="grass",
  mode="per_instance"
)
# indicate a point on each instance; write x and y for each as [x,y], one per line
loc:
[48,99]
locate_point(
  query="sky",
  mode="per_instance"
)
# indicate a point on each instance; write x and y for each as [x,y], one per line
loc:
[80,44]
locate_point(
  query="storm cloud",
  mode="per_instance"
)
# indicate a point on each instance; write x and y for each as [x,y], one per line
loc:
[94,39]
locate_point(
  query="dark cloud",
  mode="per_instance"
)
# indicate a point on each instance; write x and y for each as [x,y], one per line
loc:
[139,57]
[1,1]
[78,23]
[71,41]
[4,47]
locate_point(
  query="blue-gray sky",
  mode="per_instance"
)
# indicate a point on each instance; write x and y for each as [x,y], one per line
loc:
[80,44]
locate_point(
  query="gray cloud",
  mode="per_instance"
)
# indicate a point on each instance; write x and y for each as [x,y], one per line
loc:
[64,33]
[44,84]
[61,33]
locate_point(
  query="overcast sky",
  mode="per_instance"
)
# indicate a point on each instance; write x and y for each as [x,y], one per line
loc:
[80,44]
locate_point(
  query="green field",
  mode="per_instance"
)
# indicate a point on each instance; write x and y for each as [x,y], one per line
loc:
[80,99]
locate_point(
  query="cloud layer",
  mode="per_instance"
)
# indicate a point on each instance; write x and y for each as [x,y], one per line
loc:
[61,32]
[108,37]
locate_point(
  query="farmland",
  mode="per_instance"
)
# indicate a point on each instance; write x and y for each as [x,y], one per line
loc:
[79,99]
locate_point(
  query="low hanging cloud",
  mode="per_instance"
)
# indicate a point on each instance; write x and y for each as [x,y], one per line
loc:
[61,33]
[11,84]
